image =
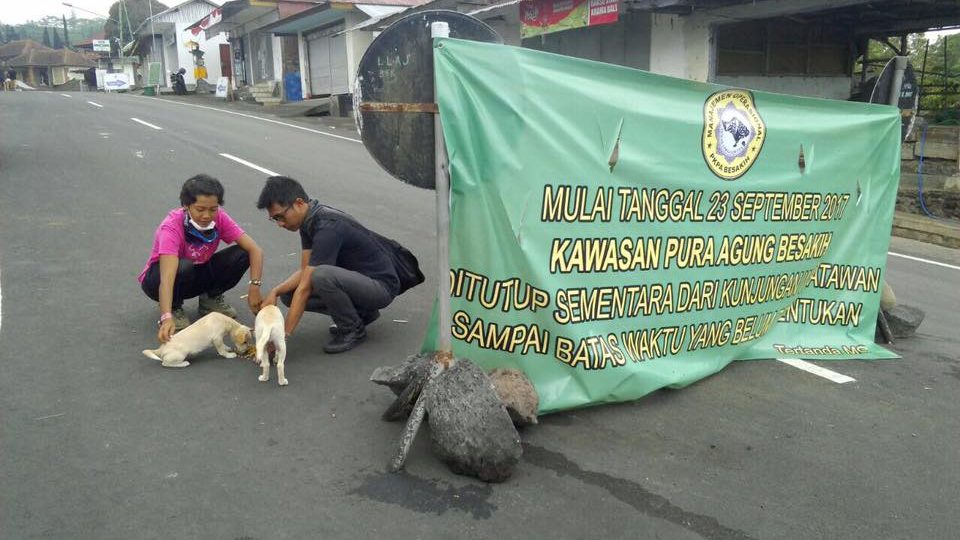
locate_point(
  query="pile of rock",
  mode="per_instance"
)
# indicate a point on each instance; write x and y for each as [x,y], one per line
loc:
[472,415]
[897,320]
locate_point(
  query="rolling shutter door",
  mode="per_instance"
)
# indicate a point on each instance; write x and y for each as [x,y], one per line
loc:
[328,61]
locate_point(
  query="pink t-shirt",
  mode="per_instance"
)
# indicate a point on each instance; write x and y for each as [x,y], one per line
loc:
[170,239]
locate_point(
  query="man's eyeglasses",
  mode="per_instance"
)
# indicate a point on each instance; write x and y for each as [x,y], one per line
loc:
[281,216]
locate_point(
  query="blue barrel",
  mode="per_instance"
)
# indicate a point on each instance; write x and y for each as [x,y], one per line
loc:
[291,87]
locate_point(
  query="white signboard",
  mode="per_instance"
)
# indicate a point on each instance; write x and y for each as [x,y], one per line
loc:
[101,45]
[116,81]
[101,75]
[222,84]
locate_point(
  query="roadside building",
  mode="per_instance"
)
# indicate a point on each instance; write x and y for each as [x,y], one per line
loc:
[167,39]
[38,65]
[801,47]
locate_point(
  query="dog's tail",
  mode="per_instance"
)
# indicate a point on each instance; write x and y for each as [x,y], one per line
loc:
[262,341]
[152,354]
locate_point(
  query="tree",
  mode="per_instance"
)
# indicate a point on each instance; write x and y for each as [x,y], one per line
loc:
[66,33]
[57,42]
[131,13]
[46,37]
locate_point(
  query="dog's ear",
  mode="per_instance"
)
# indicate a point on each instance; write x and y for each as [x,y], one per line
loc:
[243,334]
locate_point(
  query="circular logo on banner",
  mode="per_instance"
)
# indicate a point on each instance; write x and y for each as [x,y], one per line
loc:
[733,133]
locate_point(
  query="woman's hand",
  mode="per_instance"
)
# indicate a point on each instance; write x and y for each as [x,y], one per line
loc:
[167,329]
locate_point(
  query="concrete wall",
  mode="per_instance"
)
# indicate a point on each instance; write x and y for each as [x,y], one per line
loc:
[626,43]
[681,46]
[509,31]
[357,43]
[211,53]
[822,87]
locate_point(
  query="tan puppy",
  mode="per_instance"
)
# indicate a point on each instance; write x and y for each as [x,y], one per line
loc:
[208,330]
[269,330]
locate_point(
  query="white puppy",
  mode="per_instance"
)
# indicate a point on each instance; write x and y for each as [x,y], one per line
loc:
[208,330]
[269,330]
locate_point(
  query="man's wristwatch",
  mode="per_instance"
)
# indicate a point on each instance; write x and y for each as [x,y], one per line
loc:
[256,282]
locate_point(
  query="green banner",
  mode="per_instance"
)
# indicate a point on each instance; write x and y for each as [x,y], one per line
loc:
[153,74]
[614,232]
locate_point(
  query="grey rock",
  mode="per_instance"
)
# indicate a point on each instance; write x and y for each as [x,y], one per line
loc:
[398,377]
[888,300]
[469,426]
[517,394]
[903,320]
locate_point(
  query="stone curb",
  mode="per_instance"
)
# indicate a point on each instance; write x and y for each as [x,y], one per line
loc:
[925,229]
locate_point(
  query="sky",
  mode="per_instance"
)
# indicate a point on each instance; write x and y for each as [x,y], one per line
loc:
[20,11]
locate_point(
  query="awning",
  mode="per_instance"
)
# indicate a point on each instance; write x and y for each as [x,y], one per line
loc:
[309,19]
[233,14]
[379,12]
[211,19]
[371,23]
[494,7]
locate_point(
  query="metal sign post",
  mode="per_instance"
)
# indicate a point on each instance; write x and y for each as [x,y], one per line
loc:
[441,167]
[395,93]
[444,353]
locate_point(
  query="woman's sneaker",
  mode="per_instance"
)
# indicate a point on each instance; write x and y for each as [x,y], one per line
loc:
[215,303]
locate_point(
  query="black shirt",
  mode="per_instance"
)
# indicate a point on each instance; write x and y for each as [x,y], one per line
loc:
[336,239]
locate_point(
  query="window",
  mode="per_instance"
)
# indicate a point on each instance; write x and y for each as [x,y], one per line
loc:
[782,47]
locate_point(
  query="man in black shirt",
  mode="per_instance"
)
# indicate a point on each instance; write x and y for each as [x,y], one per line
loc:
[345,272]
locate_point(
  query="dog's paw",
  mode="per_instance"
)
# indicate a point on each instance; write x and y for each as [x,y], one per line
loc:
[283,382]
[263,378]
[181,364]
[229,355]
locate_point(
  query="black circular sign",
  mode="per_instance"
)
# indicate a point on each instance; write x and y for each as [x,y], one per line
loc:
[397,68]
[909,94]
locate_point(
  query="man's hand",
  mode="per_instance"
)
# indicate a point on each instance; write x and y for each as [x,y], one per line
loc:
[253,299]
[269,300]
[167,329]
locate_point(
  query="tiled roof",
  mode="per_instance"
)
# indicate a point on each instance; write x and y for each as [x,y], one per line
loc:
[50,57]
[16,48]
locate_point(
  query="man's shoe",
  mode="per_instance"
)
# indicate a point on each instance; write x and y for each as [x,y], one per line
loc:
[366,317]
[216,303]
[345,342]
[180,319]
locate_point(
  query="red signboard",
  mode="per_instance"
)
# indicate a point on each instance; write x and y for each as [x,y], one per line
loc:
[545,16]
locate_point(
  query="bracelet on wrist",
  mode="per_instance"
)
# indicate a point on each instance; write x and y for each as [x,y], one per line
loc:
[166,316]
[256,282]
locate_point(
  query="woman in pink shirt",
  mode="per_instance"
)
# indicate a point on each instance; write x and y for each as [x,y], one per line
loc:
[184,262]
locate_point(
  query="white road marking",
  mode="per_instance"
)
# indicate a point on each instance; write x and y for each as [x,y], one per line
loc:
[95,104]
[251,165]
[928,261]
[817,370]
[317,131]
[146,123]
[66,95]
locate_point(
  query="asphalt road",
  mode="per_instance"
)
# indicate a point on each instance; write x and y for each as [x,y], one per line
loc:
[97,441]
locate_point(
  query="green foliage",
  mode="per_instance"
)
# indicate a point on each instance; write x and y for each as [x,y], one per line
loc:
[941,79]
[79,29]
[46,37]
[131,13]
[940,88]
